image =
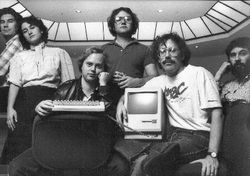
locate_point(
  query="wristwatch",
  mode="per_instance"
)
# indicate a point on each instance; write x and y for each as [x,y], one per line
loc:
[212,154]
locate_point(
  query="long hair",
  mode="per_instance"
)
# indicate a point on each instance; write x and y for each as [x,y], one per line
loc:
[36,22]
[185,52]
[111,20]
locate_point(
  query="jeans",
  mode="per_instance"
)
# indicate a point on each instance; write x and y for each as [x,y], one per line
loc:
[182,146]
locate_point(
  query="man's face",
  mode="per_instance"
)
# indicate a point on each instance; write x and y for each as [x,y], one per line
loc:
[123,23]
[240,60]
[92,66]
[170,58]
[31,33]
[8,25]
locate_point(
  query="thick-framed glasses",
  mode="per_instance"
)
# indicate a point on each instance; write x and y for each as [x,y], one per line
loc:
[241,53]
[126,19]
[171,51]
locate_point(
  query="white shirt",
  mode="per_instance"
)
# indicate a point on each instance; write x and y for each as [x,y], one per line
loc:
[41,65]
[187,96]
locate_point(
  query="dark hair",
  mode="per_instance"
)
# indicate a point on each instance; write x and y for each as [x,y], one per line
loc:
[243,42]
[87,53]
[111,20]
[185,52]
[36,22]
[12,12]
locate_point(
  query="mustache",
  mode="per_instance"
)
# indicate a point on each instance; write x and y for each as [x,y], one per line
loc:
[168,60]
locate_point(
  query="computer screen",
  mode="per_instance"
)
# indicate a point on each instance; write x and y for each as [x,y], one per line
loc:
[145,112]
[142,103]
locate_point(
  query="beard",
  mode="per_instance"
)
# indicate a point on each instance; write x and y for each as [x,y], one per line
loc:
[240,70]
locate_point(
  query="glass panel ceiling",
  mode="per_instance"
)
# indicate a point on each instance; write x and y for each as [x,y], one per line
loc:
[223,17]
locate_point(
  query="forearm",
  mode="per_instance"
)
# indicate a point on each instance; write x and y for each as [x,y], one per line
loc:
[141,81]
[13,91]
[216,130]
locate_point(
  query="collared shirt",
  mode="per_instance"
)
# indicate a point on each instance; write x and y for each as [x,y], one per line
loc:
[41,65]
[235,91]
[131,60]
[13,46]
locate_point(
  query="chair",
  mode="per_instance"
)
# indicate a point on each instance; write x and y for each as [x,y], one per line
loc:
[72,141]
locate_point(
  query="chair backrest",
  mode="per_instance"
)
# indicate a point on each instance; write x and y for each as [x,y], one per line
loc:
[60,142]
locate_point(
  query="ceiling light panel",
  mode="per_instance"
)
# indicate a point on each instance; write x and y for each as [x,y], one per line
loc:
[7,3]
[186,31]
[77,31]
[62,32]
[146,30]
[213,27]
[107,35]
[223,18]
[198,27]
[52,31]
[94,30]
[25,13]
[163,27]
[240,6]
[18,8]
[177,28]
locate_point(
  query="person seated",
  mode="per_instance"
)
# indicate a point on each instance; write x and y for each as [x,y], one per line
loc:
[194,113]
[92,85]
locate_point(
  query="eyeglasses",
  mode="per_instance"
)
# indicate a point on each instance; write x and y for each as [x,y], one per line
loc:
[126,19]
[241,53]
[172,51]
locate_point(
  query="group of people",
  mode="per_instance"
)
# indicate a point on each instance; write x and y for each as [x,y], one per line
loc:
[37,74]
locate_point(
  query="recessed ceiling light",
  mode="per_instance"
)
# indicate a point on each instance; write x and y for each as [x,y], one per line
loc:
[78,11]
[159,10]
[196,46]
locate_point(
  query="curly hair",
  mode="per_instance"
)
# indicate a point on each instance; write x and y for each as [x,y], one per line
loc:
[12,12]
[87,53]
[36,22]
[243,42]
[179,42]
[111,20]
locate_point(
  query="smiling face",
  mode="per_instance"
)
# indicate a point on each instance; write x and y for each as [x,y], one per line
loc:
[123,23]
[31,33]
[8,25]
[92,66]
[170,58]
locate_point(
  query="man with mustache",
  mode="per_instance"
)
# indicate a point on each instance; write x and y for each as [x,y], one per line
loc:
[194,113]
[238,53]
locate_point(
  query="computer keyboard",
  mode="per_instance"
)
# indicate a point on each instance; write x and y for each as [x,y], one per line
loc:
[78,106]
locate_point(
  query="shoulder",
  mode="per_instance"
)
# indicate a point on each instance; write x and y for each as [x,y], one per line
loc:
[55,49]
[107,45]
[68,83]
[198,70]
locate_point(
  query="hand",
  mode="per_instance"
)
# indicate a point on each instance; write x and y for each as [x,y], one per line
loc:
[222,70]
[11,118]
[103,78]
[118,76]
[121,112]
[209,166]
[44,107]
[128,81]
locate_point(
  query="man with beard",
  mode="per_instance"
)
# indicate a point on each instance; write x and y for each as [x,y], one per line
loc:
[238,53]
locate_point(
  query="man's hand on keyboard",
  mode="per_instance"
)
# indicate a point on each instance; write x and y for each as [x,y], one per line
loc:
[44,107]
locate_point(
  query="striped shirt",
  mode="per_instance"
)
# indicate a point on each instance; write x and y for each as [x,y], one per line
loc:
[13,46]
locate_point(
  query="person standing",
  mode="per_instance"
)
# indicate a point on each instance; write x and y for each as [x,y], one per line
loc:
[127,59]
[9,22]
[34,75]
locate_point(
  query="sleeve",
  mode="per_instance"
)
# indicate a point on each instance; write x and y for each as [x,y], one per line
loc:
[148,57]
[208,90]
[15,73]
[67,69]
